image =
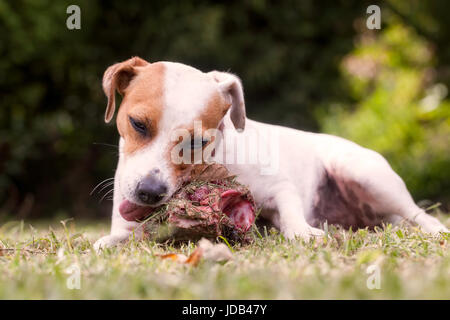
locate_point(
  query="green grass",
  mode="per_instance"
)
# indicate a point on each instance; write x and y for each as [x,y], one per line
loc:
[412,265]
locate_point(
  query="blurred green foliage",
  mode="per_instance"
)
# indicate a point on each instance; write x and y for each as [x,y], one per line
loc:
[291,56]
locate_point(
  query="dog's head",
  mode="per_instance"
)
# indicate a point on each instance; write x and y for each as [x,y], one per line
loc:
[159,99]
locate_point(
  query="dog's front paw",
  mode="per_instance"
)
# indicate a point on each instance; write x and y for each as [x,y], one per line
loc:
[107,242]
[305,233]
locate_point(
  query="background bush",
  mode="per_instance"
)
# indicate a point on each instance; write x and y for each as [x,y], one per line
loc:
[304,65]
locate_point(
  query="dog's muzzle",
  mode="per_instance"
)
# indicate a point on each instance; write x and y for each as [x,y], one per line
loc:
[151,190]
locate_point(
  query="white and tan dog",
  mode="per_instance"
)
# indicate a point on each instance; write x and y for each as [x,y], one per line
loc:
[318,177]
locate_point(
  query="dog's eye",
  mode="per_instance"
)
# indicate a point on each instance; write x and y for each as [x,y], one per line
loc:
[196,145]
[138,126]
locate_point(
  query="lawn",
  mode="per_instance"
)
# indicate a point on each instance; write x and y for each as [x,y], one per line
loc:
[36,260]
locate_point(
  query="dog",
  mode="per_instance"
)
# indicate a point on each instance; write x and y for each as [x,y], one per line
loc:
[320,178]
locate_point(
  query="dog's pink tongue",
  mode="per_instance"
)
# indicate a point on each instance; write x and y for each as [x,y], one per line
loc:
[132,212]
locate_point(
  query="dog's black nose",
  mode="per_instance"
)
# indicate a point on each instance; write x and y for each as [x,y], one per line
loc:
[151,190]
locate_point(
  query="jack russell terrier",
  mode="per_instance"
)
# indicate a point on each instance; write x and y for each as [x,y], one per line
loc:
[319,177]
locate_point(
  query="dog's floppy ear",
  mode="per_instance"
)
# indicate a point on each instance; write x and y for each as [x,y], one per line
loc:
[118,77]
[230,86]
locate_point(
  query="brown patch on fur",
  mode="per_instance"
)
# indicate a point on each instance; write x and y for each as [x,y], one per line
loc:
[117,77]
[143,101]
[343,203]
[214,112]
[351,195]
[369,212]
[179,172]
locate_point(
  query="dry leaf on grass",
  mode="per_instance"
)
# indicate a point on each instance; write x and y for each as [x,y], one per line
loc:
[205,250]
[215,252]
[178,257]
[195,257]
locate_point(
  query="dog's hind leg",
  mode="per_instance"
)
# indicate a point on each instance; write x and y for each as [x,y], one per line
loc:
[384,191]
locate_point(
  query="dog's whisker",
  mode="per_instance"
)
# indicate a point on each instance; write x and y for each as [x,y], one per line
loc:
[106,194]
[101,183]
[105,144]
[106,186]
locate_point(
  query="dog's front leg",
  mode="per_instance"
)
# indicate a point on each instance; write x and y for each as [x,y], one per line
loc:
[121,230]
[292,220]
